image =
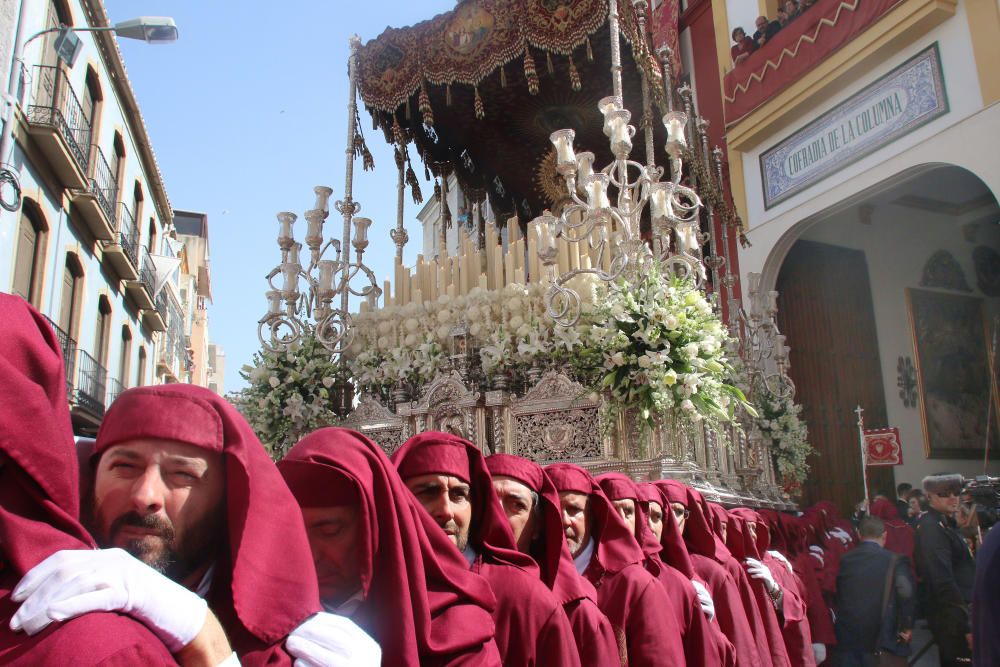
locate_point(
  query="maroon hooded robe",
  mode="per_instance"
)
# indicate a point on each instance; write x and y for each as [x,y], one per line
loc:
[531,626]
[699,646]
[595,639]
[633,600]
[264,582]
[39,503]
[900,537]
[730,610]
[421,603]
[794,623]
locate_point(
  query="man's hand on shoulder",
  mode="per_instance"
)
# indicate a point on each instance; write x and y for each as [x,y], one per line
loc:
[329,640]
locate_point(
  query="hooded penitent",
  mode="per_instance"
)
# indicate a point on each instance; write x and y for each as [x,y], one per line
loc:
[792,617]
[737,620]
[699,647]
[421,603]
[634,602]
[264,584]
[594,637]
[899,535]
[531,626]
[39,501]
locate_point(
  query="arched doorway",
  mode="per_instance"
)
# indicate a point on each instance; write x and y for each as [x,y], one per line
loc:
[889,302]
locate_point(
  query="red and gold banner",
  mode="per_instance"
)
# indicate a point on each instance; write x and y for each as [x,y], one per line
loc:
[882,447]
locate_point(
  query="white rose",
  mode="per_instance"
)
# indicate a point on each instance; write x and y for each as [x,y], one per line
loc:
[444,317]
[670,322]
[516,322]
[328,382]
[645,361]
[444,332]
[411,340]
[687,405]
[618,359]
[274,381]
[412,324]
[475,329]
[384,327]
[691,350]
[384,343]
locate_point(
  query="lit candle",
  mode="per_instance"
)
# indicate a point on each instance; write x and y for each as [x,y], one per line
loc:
[607,106]
[327,270]
[273,302]
[687,237]
[675,121]
[584,166]
[285,222]
[322,198]
[293,254]
[659,204]
[291,273]
[620,130]
[597,191]
[563,141]
[361,226]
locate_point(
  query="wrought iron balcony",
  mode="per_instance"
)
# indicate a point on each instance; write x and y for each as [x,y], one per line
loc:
[57,122]
[68,346]
[96,204]
[115,387]
[141,288]
[122,252]
[91,386]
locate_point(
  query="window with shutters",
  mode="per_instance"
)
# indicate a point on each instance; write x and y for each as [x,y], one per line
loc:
[72,296]
[29,267]
[140,376]
[152,237]
[137,205]
[118,163]
[102,335]
[125,356]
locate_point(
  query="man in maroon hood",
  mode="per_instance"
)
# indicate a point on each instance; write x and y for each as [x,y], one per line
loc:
[449,478]
[733,612]
[531,503]
[696,635]
[182,483]
[381,559]
[39,502]
[605,551]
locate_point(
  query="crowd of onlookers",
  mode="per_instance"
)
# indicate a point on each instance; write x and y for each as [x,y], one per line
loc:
[744,45]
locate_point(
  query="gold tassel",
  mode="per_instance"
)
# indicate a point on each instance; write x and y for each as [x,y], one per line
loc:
[447,95]
[406,109]
[590,52]
[503,76]
[574,76]
[530,73]
[548,64]
[478,105]
[424,105]
[411,180]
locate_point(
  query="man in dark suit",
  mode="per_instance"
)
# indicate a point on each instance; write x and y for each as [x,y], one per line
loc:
[948,569]
[862,626]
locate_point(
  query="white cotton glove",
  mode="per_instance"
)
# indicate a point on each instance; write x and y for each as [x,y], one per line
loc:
[841,535]
[780,556]
[705,600]
[70,583]
[817,553]
[758,570]
[329,640]
[819,652]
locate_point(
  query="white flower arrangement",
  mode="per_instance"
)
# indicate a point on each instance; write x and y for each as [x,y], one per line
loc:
[289,392]
[787,435]
[663,351]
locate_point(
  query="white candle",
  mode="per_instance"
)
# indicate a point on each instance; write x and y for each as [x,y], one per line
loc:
[658,201]
[607,106]
[563,141]
[322,197]
[597,191]
[285,222]
[327,269]
[273,301]
[584,166]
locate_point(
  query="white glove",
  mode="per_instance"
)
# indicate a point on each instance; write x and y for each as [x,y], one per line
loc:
[819,652]
[705,600]
[758,570]
[841,535]
[70,583]
[818,555]
[329,640]
[780,556]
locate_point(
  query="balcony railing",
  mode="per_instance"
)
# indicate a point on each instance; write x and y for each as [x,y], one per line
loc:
[128,233]
[102,183]
[115,387]
[146,273]
[92,385]
[68,346]
[57,106]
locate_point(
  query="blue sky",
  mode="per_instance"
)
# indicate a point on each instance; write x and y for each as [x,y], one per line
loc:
[246,113]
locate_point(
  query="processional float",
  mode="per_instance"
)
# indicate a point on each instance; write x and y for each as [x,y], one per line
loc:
[484,338]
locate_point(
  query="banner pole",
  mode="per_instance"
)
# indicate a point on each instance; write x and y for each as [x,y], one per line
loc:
[864,457]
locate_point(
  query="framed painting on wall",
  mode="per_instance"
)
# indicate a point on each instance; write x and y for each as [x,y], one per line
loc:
[953,375]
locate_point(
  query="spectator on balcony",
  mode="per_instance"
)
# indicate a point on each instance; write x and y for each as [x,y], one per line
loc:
[783,17]
[792,9]
[806,4]
[765,30]
[743,46]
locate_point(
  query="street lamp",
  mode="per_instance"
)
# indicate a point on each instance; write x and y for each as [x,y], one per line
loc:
[150,29]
